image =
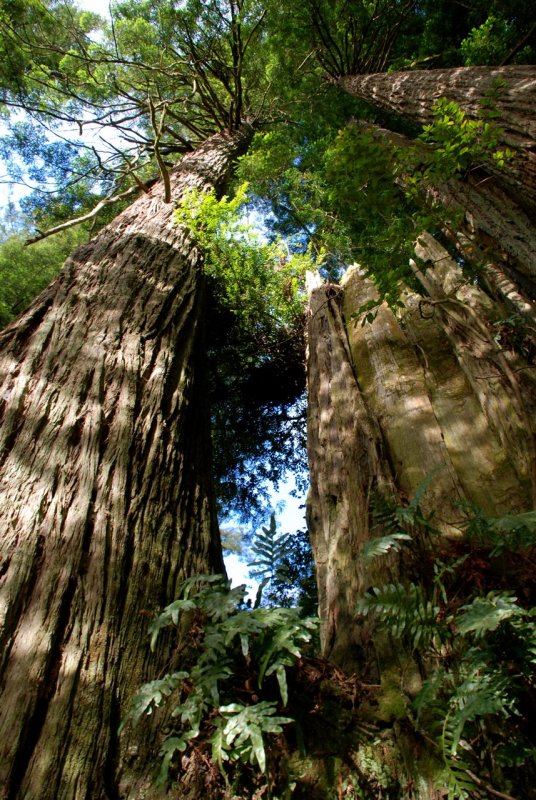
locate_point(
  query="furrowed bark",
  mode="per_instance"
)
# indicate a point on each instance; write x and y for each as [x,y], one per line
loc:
[467,316]
[411,95]
[347,463]
[107,499]
[397,401]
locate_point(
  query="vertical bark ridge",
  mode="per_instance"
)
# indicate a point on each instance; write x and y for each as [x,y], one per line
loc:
[467,316]
[106,497]
[347,463]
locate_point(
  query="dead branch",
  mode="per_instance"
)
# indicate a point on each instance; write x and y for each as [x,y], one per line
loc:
[107,201]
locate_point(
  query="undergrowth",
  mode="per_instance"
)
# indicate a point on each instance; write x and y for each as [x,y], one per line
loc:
[251,690]
[474,639]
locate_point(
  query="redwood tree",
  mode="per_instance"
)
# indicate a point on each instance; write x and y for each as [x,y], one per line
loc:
[106,488]
[506,94]
[108,495]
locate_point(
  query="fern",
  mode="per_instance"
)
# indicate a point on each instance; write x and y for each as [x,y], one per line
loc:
[399,523]
[481,650]
[404,612]
[240,732]
[457,782]
[485,614]
[384,544]
[283,644]
[152,695]
[269,550]
[259,643]
[171,746]
[512,532]
[480,695]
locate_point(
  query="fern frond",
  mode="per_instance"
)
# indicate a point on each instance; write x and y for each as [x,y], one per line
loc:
[404,612]
[241,732]
[151,695]
[485,614]
[383,545]
[513,532]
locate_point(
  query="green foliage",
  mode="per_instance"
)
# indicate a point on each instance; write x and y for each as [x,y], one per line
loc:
[269,549]
[458,144]
[513,532]
[241,730]
[339,197]
[399,524]
[26,271]
[405,611]
[284,565]
[487,613]
[257,281]
[487,44]
[256,349]
[479,649]
[357,195]
[235,648]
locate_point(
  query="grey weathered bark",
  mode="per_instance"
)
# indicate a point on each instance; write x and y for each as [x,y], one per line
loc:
[396,400]
[106,492]
[412,94]
[428,393]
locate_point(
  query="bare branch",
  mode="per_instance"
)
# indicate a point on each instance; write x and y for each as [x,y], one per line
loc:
[107,201]
[157,128]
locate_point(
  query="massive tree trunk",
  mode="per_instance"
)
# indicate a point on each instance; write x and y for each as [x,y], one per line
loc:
[427,394]
[396,400]
[510,90]
[106,491]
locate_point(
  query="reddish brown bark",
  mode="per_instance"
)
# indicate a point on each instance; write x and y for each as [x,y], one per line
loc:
[106,493]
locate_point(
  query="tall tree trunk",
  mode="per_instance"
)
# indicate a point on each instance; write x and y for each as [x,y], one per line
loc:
[511,90]
[107,498]
[347,464]
[397,400]
[428,394]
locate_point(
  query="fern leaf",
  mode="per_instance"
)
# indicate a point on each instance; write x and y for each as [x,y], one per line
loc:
[152,694]
[404,612]
[423,486]
[485,614]
[167,751]
[384,545]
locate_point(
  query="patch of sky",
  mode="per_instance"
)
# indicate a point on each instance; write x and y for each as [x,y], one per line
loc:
[289,507]
[101,7]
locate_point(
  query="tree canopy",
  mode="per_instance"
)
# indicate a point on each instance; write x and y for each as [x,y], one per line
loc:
[264,141]
[159,78]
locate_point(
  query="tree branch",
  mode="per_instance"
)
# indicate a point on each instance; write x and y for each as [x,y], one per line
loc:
[107,201]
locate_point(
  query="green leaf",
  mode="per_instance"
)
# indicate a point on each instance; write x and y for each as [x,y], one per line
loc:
[485,614]
[384,545]
[281,675]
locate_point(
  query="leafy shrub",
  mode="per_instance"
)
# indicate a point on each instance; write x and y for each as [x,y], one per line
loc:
[487,44]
